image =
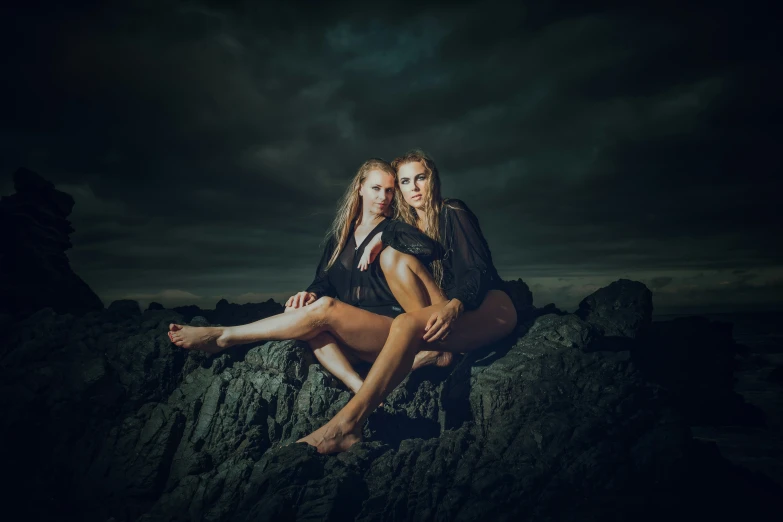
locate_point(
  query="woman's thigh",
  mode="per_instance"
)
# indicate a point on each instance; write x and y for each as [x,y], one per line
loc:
[362,332]
[492,321]
[324,339]
[495,319]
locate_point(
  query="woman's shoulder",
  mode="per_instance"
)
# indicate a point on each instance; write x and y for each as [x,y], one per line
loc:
[455,212]
[453,204]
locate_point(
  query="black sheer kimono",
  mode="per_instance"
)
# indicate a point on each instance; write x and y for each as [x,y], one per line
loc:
[468,271]
[368,289]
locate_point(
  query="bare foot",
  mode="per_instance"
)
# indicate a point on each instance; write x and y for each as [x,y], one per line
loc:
[333,437]
[426,358]
[205,338]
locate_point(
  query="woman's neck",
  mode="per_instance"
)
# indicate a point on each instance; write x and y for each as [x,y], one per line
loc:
[369,219]
[421,219]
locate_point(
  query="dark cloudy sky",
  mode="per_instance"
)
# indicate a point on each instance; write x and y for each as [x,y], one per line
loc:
[206,143]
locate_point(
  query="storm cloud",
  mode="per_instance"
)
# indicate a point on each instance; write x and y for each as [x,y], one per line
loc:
[206,144]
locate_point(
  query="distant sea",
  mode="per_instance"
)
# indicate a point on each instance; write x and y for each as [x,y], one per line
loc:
[761,332]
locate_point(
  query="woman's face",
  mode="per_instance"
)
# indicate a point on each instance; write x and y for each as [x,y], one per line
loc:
[377,192]
[414,184]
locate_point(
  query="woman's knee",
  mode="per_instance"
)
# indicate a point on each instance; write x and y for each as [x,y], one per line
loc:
[405,324]
[396,265]
[390,259]
[321,309]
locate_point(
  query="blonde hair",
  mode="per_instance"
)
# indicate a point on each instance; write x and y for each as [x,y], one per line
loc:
[349,208]
[433,204]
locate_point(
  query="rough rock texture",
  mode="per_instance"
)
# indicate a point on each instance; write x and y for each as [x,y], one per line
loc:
[521,296]
[105,419]
[622,309]
[125,307]
[34,235]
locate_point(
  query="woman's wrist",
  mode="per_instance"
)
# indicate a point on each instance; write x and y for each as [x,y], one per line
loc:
[456,304]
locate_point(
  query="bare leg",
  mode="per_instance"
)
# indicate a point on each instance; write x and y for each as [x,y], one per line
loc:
[409,281]
[493,320]
[359,330]
[414,288]
[331,357]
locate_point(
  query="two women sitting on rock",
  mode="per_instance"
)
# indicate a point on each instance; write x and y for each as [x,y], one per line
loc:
[353,310]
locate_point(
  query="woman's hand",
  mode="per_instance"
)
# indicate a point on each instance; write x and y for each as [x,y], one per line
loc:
[440,323]
[371,251]
[300,299]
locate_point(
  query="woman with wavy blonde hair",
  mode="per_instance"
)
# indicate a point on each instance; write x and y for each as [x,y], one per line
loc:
[477,311]
[348,308]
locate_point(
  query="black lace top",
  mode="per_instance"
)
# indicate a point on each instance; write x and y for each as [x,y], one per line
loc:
[368,289]
[468,271]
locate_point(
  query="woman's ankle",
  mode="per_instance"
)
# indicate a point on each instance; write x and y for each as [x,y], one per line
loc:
[346,425]
[226,338]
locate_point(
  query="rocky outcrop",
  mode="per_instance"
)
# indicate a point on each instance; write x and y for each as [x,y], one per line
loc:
[110,420]
[623,309]
[34,235]
[521,296]
[229,314]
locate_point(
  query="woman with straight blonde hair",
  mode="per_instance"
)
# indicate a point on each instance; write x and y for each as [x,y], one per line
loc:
[477,311]
[348,309]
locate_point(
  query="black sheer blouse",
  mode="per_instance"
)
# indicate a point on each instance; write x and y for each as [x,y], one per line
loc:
[368,289]
[468,271]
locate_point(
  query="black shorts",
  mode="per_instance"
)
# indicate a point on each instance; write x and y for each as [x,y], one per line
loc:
[389,310]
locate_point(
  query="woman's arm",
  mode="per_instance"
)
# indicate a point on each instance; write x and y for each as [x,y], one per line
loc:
[403,238]
[472,271]
[410,240]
